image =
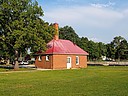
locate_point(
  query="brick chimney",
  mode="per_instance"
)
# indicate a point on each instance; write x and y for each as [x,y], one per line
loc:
[56,36]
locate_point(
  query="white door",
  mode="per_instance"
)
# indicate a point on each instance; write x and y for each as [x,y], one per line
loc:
[69,62]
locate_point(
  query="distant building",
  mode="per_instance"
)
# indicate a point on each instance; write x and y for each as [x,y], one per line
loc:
[61,54]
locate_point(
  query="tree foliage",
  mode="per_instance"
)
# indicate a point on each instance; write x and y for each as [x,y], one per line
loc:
[83,43]
[21,27]
[68,33]
[115,50]
[119,46]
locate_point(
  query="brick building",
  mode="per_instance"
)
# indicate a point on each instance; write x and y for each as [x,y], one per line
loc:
[61,54]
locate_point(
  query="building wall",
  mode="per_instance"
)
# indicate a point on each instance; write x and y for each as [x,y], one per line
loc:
[82,61]
[60,62]
[44,63]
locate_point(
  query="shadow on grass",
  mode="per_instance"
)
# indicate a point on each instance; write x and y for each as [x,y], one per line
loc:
[7,66]
[11,68]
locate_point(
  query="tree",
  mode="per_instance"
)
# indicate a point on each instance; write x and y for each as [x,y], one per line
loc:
[102,49]
[21,27]
[123,49]
[120,45]
[110,51]
[93,50]
[126,53]
[83,43]
[68,33]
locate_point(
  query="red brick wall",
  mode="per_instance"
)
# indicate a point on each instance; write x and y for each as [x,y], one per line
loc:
[82,61]
[60,62]
[43,63]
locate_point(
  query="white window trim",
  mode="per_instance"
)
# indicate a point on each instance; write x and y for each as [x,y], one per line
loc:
[39,58]
[77,58]
[47,57]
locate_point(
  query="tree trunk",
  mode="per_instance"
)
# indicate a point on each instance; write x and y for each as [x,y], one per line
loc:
[16,66]
[8,62]
[20,58]
[118,55]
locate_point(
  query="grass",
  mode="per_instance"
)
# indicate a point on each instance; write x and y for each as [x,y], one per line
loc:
[92,81]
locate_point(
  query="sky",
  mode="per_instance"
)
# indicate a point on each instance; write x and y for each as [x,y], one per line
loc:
[98,20]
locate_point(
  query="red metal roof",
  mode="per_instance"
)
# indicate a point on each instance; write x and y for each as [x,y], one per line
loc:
[64,47]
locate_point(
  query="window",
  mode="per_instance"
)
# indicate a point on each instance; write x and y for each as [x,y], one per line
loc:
[47,58]
[69,65]
[68,59]
[77,60]
[39,58]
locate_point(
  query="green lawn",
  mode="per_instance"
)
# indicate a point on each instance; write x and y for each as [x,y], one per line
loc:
[92,81]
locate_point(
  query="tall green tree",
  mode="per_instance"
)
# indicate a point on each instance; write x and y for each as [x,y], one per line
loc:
[102,49]
[21,27]
[126,52]
[93,50]
[110,50]
[83,43]
[120,45]
[69,33]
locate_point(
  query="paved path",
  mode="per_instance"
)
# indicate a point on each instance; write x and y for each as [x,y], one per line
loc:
[18,71]
[38,69]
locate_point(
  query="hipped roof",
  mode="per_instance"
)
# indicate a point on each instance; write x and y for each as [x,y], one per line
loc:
[63,47]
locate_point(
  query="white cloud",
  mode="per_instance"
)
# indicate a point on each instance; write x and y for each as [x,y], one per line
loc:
[99,5]
[90,16]
[97,21]
[125,12]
